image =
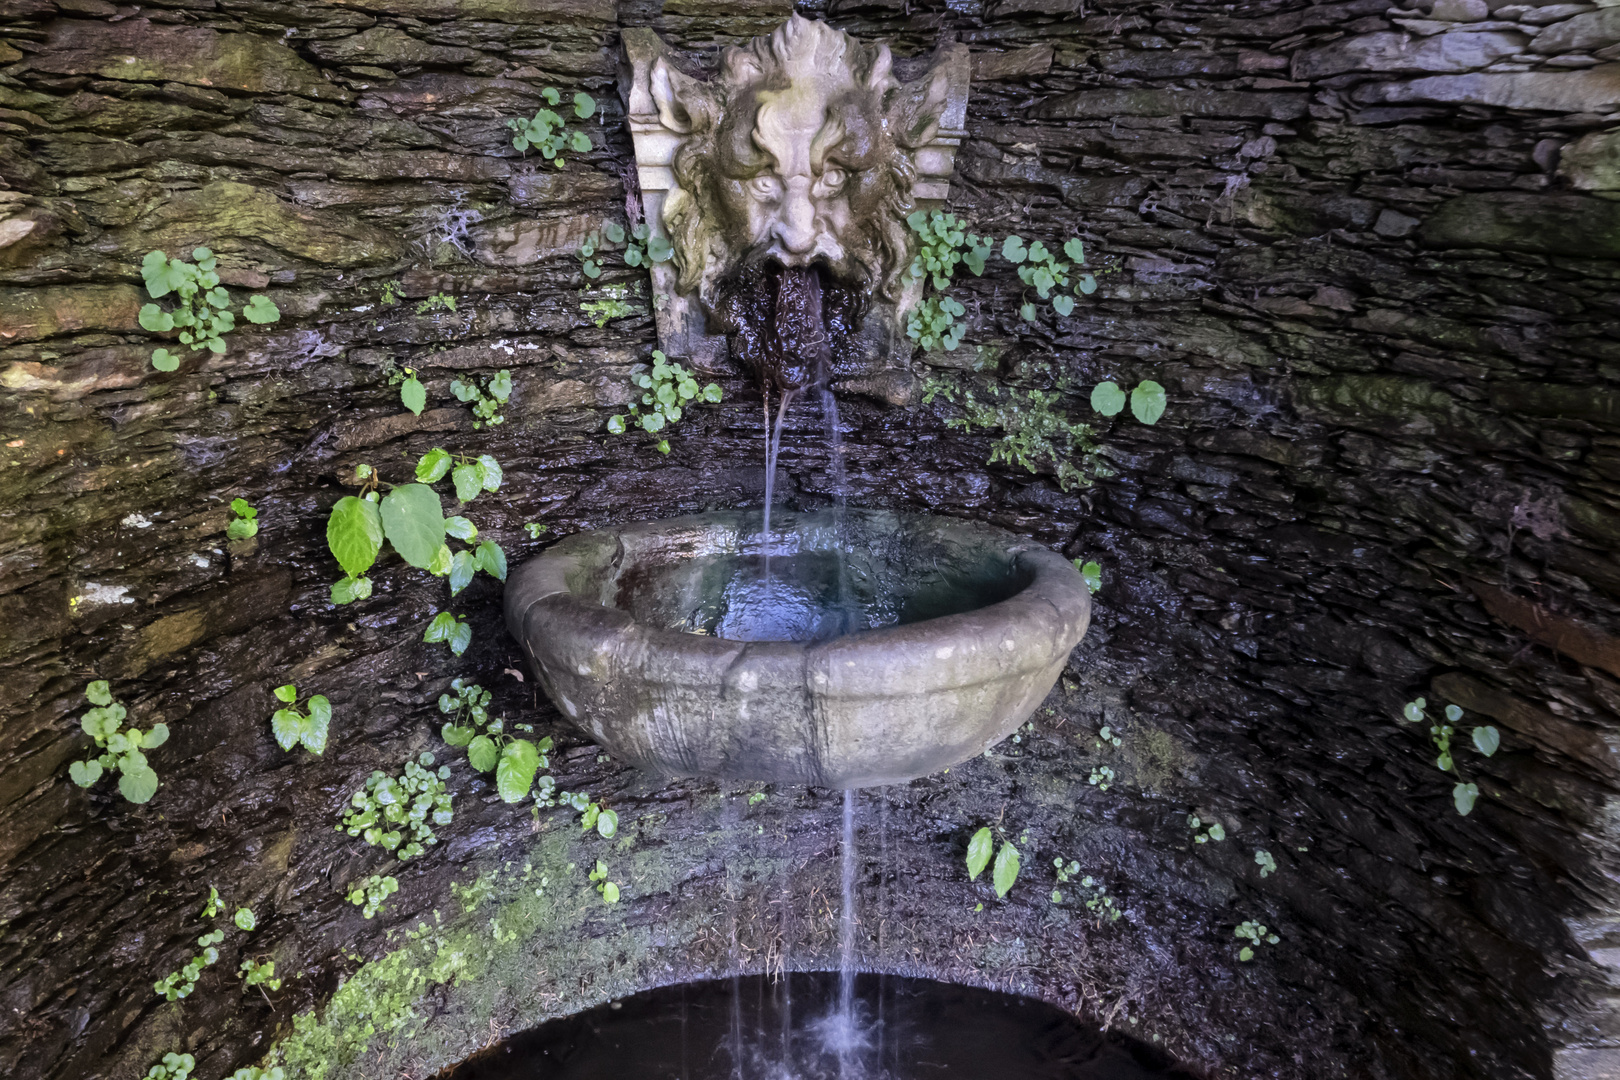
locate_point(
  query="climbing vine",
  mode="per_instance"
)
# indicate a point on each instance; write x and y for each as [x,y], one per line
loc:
[547,132]
[122,748]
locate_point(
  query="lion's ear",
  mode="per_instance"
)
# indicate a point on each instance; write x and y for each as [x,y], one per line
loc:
[880,79]
[682,101]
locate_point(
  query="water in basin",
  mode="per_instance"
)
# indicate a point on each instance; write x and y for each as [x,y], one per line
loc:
[829,575]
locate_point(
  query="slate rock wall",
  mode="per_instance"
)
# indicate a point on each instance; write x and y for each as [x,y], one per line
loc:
[1371,251]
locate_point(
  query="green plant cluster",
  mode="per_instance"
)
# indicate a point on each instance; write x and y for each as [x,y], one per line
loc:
[439,301]
[668,389]
[244,521]
[513,760]
[448,628]
[179,984]
[412,394]
[388,807]
[121,748]
[1147,400]
[1097,901]
[1215,830]
[612,306]
[1486,739]
[548,132]
[943,244]
[1254,933]
[1005,872]
[1033,432]
[411,519]
[253,1072]
[202,305]
[1101,777]
[172,1067]
[392,290]
[259,973]
[291,727]
[599,875]
[372,893]
[487,397]
[1267,862]
[641,247]
[1041,269]
[1106,736]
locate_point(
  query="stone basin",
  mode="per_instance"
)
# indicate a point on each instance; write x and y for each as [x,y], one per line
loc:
[884,646]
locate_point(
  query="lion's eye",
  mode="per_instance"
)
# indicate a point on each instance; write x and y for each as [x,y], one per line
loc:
[832,178]
[766,187]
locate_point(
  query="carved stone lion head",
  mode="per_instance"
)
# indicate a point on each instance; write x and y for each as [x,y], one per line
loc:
[800,151]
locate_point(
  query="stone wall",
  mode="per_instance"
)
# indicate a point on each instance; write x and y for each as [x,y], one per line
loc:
[1373,254]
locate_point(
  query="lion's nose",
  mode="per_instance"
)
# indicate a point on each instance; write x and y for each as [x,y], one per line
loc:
[795,226]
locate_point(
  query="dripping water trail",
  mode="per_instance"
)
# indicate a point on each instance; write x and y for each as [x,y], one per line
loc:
[773,451]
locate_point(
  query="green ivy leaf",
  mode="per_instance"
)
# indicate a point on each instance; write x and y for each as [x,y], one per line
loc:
[978,853]
[85,773]
[288,727]
[413,395]
[354,533]
[99,692]
[1092,573]
[138,785]
[259,309]
[1413,710]
[482,753]
[443,562]
[288,693]
[1012,249]
[492,472]
[659,249]
[1487,740]
[461,528]
[244,919]
[1006,870]
[1063,305]
[460,638]
[242,529]
[457,734]
[462,569]
[313,729]
[347,590]
[492,559]
[1107,398]
[1147,401]
[610,892]
[584,106]
[520,760]
[579,142]
[413,521]
[1027,312]
[469,481]
[607,824]
[433,465]
[1464,796]
[155,737]
[164,360]
[1075,249]
[155,319]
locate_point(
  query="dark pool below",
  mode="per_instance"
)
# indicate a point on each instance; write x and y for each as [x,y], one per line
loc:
[755,1029]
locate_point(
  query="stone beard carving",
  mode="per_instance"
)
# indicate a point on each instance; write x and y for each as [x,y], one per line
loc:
[799,151]
[785,180]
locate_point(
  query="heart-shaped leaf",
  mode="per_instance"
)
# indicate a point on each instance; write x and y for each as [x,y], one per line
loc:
[413,395]
[1107,398]
[1487,740]
[287,725]
[514,775]
[413,521]
[482,753]
[138,785]
[313,730]
[354,533]
[1148,401]
[85,773]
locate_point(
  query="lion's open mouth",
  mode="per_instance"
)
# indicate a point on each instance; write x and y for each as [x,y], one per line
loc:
[790,324]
